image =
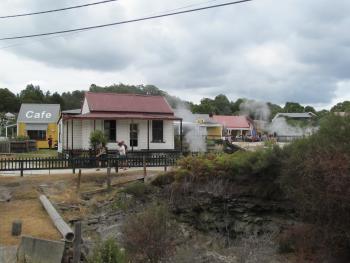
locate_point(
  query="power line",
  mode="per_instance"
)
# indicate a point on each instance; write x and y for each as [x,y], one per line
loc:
[68,34]
[57,10]
[126,21]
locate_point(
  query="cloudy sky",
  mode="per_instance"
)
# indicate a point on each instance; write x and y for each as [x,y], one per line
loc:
[270,50]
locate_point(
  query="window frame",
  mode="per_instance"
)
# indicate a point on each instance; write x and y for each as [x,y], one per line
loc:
[132,131]
[157,132]
[40,136]
[110,132]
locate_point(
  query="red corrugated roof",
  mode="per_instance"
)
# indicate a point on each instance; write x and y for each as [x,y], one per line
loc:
[115,116]
[127,103]
[233,122]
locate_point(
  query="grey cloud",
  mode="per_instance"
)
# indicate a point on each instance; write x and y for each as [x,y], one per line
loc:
[268,50]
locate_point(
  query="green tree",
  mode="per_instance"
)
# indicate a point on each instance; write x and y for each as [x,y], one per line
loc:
[310,109]
[235,106]
[32,94]
[8,101]
[206,106]
[72,100]
[293,107]
[341,107]
[222,105]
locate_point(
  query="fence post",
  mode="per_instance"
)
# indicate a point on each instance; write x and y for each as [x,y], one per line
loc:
[73,165]
[79,180]
[144,166]
[108,178]
[21,165]
[117,165]
[77,242]
[166,163]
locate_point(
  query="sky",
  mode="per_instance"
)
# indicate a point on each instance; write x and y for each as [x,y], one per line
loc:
[267,50]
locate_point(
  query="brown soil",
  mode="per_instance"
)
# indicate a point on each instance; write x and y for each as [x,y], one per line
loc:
[61,189]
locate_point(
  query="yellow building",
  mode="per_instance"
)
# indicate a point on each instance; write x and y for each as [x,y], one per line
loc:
[39,122]
[213,129]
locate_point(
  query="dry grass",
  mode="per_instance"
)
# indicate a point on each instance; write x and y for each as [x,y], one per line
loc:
[35,221]
[61,189]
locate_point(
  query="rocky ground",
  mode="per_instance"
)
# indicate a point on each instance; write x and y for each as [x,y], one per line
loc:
[212,228]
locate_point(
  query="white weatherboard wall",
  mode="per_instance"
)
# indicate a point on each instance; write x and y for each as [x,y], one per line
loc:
[83,128]
[85,108]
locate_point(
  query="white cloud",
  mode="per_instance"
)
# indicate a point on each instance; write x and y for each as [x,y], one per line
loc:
[270,50]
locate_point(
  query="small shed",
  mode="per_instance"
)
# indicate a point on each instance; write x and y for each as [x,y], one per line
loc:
[39,122]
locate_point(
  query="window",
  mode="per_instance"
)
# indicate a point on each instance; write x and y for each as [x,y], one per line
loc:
[37,135]
[157,131]
[133,135]
[110,130]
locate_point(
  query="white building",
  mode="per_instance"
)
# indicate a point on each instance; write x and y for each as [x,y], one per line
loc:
[143,122]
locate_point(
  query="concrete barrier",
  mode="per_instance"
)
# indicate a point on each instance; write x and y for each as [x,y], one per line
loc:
[40,250]
[8,254]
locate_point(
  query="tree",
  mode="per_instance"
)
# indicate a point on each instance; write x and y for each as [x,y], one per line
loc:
[310,109]
[293,107]
[206,106]
[32,94]
[8,101]
[72,100]
[341,107]
[222,105]
[316,176]
[236,106]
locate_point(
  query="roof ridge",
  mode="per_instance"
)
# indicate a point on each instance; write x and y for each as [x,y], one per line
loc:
[125,94]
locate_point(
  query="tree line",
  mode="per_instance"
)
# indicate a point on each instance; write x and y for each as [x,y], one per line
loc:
[10,102]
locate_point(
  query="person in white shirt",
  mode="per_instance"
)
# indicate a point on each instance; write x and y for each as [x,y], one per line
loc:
[122,154]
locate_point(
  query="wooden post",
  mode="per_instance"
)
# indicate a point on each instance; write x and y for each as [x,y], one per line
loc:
[21,164]
[144,167]
[181,136]
[108,178]
[72,136]
[67,135]
[16,228]
[147,135]
[73,164]
[79,180]
[166,163]
[77,242]
[117,166]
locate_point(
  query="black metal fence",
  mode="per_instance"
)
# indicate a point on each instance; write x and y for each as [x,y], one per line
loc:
[137,160]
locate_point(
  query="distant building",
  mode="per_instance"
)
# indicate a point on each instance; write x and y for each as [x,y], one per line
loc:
[10,116]
[39,122]
[295,115]
[213,128]
[235,125]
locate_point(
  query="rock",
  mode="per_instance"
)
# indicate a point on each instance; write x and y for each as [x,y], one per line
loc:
[5,194]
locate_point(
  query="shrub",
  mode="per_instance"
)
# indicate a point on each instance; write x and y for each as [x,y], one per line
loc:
[138,189]
[317,178]
[149,236]
[21,138]
[97,138]
[107,252]
[164,179]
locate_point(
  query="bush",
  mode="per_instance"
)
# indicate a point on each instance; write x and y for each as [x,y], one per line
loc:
[317,178]
[97,138]
[21,138]
[149,236]
[164,179]
[107,252]
[258,170]
[138,189]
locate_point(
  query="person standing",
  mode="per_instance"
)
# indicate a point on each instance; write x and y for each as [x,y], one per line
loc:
[49,141]
[122,154]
